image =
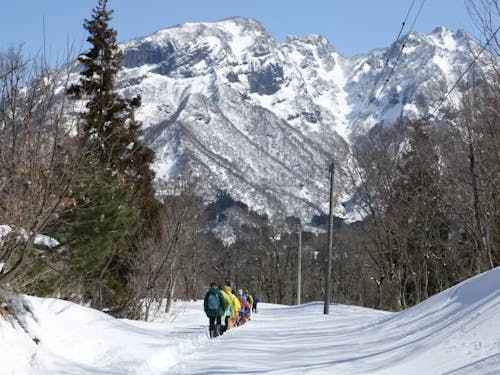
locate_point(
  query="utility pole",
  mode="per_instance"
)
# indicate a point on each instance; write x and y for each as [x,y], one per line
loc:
[299,266]
[326,309]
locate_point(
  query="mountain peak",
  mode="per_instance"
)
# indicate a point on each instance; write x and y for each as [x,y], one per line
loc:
[447,39]
[441,31]
[248,23]
[260,119]
[210,42]
[315,39]
[225,28]
[441,37]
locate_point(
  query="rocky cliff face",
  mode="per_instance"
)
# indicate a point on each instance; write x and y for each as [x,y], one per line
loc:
[226,104]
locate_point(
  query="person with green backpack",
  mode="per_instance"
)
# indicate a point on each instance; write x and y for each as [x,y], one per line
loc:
[215,307]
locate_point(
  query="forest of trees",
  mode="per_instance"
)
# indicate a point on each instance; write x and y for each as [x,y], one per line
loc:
[73,167]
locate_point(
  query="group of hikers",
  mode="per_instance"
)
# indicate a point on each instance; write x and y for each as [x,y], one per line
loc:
[235,307]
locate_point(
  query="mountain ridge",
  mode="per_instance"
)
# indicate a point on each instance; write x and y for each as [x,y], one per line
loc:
[227,104]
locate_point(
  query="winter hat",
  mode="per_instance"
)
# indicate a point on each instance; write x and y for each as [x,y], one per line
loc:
[240,291]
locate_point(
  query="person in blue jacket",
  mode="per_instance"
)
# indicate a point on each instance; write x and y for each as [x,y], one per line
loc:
[255,302]
[243,302]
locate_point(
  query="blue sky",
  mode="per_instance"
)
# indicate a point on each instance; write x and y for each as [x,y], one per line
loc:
[352,26]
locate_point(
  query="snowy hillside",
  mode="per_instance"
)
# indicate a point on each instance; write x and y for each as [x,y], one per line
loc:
[454,332]
[225,103]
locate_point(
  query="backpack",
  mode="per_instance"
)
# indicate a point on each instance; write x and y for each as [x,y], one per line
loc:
[243,303]
[213,301]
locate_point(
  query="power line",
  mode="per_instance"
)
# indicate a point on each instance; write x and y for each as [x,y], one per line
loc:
[442,100]
[390,51]
[418,14]
[400,51]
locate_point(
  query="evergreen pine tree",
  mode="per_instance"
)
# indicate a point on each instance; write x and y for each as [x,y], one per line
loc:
[119,169]
[108,125]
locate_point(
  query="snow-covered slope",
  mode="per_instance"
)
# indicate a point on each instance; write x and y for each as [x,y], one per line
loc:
[454,332]
[227,104]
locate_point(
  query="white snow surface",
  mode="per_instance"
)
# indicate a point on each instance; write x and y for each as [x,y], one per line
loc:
[454,332]
[40,239]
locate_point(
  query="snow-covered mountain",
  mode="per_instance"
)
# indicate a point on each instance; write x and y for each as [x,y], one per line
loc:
[225,103]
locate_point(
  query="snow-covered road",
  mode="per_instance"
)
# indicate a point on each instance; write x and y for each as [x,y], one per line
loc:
[457,331]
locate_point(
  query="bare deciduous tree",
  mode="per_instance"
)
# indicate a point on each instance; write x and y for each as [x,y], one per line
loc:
[164,262]
[37,160]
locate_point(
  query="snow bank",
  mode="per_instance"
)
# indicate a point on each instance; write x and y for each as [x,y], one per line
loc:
[75,339]
[453,332]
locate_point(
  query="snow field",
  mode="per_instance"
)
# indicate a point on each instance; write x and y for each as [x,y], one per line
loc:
[454,332]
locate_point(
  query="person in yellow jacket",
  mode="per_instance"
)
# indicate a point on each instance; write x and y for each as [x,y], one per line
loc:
[235,307]
[229,307]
